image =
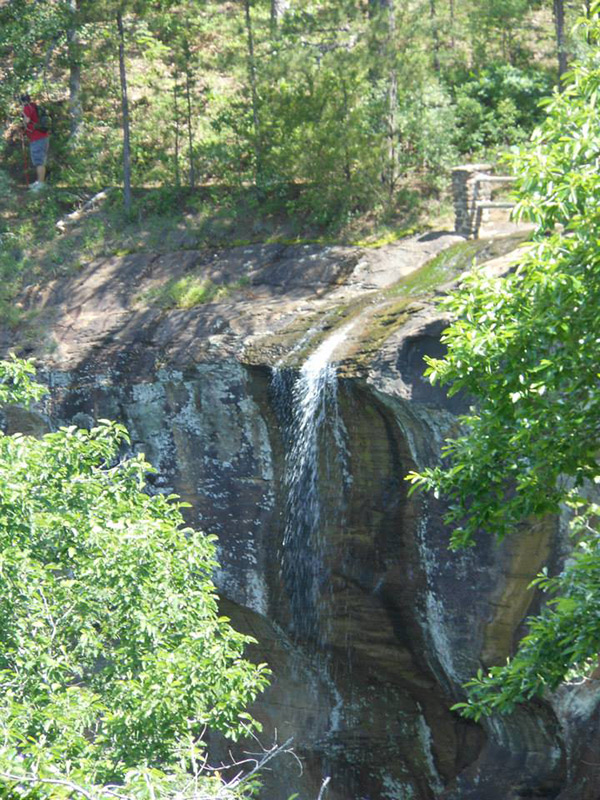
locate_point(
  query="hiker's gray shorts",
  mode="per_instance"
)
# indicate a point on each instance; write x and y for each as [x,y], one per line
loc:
[39,151]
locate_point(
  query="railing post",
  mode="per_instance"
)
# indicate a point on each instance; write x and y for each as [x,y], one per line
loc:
[467,190]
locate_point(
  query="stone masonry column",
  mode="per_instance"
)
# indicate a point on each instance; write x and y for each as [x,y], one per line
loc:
[467,189]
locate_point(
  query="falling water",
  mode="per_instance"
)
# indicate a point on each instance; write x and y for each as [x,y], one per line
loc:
[316,448]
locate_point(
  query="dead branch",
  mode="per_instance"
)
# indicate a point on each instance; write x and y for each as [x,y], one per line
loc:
[229,790]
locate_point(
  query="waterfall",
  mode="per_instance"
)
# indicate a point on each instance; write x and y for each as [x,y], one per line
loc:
[316,450]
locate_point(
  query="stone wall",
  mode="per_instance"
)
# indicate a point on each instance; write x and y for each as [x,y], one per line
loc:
[467,190]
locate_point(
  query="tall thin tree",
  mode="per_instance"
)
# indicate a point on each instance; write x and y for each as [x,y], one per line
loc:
[435,35]
[190,130]
[176,129]
[561,45]
[382,14]
[278,9]
[125,112]
[74,56]
[251,60]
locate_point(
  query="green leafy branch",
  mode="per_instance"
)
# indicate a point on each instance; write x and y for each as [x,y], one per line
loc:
[524,349]
[113,656]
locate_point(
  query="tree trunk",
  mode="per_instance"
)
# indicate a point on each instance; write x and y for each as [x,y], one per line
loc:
[392,99]
[254,92]
[588,16]
[278,9]
[347,165]
[176,112]
[125,107]
[434,35]
[188,94]
[74,56]
[382,14]
[559,23]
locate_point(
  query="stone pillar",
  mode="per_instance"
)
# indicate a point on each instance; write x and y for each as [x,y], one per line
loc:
[467,189]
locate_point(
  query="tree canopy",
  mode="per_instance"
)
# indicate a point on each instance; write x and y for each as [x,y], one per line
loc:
[113,657]
[525,347]
[353,101]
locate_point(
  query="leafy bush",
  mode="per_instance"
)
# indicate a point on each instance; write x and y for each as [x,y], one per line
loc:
[113,656]
[499,105]
[428,129]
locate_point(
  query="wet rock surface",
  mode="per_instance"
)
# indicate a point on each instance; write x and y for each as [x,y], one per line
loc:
[369,623]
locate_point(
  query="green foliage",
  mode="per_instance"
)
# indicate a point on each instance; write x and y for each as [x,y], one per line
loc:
[496,29]
[562,643]
[526,347]
[192,290]
[499,105]
[114,658]
[23,27]
[16,385]
[346,103]
[427,123]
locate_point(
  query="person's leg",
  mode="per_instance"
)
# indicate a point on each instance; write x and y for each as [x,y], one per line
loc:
[39,154]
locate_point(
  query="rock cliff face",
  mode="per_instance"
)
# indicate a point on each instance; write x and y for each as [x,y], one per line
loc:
[369,624]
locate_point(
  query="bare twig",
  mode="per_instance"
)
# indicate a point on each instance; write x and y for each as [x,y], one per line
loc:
[190,791]
[267,756]
[36,779]
[111,791]
[48,614]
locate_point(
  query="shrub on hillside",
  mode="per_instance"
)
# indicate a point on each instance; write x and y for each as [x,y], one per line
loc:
[499,106]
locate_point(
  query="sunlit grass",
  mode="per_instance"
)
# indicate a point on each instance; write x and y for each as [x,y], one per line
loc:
[190,291]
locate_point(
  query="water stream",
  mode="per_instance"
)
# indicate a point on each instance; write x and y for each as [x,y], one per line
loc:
[316,456]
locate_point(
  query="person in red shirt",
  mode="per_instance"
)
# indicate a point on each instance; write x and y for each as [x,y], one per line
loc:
[38,141]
